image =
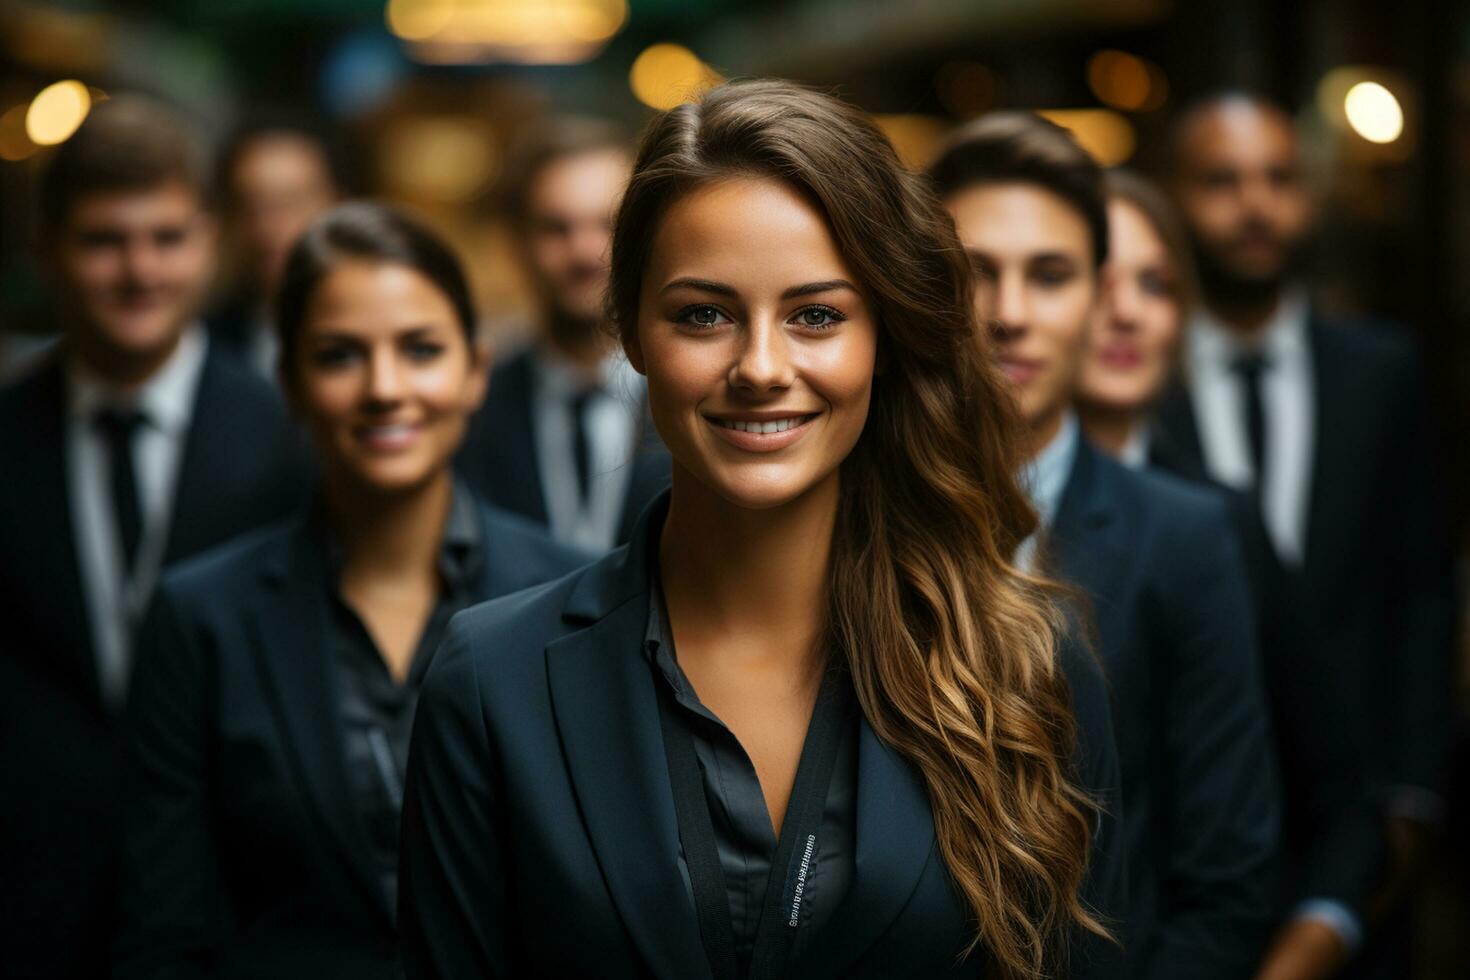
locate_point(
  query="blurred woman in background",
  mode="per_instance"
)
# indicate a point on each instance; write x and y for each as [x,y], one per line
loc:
[1133,350]
[278,677]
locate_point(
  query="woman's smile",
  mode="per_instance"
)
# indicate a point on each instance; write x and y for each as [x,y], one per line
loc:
[761,432]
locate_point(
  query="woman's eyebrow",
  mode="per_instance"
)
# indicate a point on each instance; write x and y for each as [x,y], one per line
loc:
[826,285]
[703,285]
[723,289]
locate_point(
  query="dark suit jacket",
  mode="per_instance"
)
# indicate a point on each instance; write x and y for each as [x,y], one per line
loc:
[1174,620]
[59,746]
[243,853]
[498,458]
[1332,840]
[539,835]
[1374,595]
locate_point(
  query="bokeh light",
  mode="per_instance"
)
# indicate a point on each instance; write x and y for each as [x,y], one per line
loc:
[1105,134]
[57,111]
[14,143]
[1126,81]
[522,31]
[1374,112]
[666,75]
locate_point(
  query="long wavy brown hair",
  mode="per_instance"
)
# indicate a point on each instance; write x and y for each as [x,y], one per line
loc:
[953,650]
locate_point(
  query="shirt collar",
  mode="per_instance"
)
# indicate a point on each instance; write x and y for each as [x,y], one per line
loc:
[1284,335]
[559,378]
[166,399]
[1044,477]
[461,549]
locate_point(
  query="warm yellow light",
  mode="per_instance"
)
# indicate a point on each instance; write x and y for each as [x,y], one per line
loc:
[914,137]
[445,159]
[592,20]
[1126,81]
[666,75]
[14,143]
[1101,132]
[1373,112]
[57,111]
[417,20]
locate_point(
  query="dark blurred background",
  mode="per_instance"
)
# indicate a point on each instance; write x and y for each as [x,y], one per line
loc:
[426,95]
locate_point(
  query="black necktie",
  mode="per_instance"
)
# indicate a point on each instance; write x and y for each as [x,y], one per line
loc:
[118,427]
[1248,368]
[580,448]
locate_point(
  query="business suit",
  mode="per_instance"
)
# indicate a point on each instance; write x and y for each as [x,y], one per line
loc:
[1374,593]
[1174,622]
[499,459]
[1331,842]
[540,836]
[243,852]
[59,744]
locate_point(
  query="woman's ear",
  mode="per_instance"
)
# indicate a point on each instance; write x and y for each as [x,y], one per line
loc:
[633,349]
[482,355]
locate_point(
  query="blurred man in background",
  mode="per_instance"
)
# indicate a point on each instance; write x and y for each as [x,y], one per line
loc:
[563,436]
[131,445]
[1154,556]
[1323,423]
[276,174]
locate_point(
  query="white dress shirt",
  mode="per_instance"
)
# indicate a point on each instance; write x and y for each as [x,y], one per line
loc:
[613,415]
[1044,480]
[115,601]
[1288,400]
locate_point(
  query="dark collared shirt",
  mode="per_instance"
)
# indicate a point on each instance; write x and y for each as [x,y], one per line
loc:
[737,806]
[376,711]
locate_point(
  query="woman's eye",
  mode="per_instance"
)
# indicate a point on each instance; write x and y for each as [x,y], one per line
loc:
[818,317]
[332,357]
[423,350]
[1155,284]
[699,315]
[1052,278]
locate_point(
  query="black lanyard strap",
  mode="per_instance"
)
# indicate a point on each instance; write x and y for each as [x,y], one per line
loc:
[795,850]
[701,855]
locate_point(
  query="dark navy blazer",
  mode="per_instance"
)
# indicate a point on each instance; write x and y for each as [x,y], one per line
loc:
[539,835]
[1160,563]
[244,853]
[243,466]
[1374,600]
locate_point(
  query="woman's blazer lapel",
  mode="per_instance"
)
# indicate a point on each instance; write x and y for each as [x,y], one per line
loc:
[289,621]
[603,698]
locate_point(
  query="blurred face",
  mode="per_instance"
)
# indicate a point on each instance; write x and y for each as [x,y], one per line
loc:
[1135,331]
[1240,190]
[758,346]
[279,184]
[384,376]
[131,268]
[569,211]
[1035,285]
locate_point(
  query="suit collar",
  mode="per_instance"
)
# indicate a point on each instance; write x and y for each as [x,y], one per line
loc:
[603,698]
[48,526]
[1084,545]
[290,620]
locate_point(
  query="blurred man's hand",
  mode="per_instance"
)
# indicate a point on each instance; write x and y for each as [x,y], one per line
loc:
[1305,949]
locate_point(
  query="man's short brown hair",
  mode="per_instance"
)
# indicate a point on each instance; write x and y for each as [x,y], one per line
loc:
[556,139]
[127,143]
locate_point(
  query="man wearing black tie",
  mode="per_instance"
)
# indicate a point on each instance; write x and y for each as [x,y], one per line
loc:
[563,436]
[1322,423]
[130,446]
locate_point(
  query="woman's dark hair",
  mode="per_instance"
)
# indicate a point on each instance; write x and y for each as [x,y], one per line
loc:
[366,231]
[1151,202]
[953,649]
[1020,147]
